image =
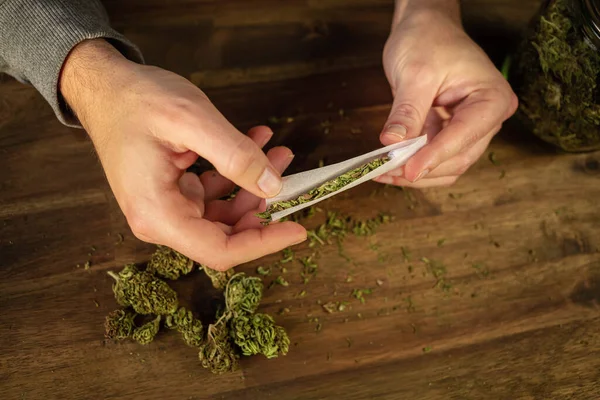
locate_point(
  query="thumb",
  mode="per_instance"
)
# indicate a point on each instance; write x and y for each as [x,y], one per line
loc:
[413,99]
[234,155]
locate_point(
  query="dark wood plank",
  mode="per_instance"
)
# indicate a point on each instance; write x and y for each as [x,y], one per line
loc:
[519,240]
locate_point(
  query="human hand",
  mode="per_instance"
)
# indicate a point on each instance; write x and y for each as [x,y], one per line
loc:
[148,126]
[444,86]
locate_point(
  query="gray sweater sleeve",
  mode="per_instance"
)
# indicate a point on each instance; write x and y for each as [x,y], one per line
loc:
[37,35]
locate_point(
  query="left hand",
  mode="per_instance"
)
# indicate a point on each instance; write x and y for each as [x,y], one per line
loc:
[445,87]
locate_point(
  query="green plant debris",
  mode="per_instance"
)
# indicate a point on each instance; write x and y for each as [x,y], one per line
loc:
[349,278]
[556,79]
[302,293]
[87,265]
[309,268]
[406,254]
[410,305]
[120,238]
[438,270]
[326,188]
[288,256]
[493,159]
[427,349]
[283,311]
[359,294]
[441,242]
[379,282]
[280,280]
[482,270]
[349,341]
[502,174]
[262,271]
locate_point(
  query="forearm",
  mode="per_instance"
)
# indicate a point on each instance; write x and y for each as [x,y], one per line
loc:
[36,37]
[409,7]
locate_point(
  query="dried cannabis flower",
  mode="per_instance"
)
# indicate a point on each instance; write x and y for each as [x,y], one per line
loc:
[219,279]
[258,334]
[190,328]
[243,293]
[326,188]
[144,292]
[217,353]
[556,79]
[146,333]
[119,324]
[169,264]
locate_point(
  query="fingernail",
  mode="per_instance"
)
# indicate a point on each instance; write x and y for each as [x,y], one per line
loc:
[398,131]
[269,182]
[289,161]
[421,175]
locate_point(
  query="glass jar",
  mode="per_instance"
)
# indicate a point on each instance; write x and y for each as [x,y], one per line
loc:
[556,74]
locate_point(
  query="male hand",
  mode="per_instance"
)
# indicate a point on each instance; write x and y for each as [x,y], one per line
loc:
[445,87]
[148,126]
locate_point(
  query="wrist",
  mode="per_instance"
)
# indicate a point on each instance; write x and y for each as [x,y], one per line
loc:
[425,10]
[89,77]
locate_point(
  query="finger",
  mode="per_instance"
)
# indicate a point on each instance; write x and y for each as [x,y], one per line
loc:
[460,163]
[215,184]
[229,212]
[423,183]
[477,115]
[207,244]
[237,157]
[415,92]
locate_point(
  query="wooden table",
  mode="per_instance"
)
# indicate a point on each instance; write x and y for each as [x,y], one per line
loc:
[518,319]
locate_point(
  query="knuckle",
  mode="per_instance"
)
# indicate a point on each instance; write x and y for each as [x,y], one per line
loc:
[139,226]
[242,158]
[407,113]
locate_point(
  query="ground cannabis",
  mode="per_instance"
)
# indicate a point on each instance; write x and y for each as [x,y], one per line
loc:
[556,79]
[168,263]
[144,292]
[145,333]
[119,324]
[326,188]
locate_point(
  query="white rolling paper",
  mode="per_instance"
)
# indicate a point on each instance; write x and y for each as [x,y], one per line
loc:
[300,183]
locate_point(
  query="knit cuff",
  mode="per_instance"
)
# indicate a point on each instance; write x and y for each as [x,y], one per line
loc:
[36,37]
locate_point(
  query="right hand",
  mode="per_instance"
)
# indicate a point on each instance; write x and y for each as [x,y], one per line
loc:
[148,126]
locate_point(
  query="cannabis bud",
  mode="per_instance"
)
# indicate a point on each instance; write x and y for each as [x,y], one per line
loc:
[169,264]
[243,293]
[144,292]
[217,353]
[145,333]
[219,279]
[258,334]
[190,328]
[119,324]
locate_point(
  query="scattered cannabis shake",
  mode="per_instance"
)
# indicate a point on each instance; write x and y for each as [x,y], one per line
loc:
[556,76]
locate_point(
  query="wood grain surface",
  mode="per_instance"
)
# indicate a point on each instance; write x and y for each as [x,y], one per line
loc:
[516,316]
